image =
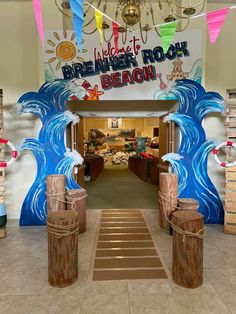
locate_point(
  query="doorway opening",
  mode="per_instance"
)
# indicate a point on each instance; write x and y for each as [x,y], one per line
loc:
[122,151]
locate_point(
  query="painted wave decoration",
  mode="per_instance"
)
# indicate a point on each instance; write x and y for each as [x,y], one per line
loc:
[52,157]
[191,161]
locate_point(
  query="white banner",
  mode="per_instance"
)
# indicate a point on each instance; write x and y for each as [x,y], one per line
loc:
[139,71]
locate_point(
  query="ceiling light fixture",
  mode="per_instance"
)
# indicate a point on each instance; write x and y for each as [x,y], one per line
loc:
[134,15]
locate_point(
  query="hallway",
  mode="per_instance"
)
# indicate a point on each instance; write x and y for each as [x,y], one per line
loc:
[118,187]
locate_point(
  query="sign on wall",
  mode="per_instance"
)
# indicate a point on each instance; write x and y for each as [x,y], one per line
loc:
[139,71]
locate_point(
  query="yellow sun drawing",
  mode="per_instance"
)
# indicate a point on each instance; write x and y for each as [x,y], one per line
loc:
[65,50]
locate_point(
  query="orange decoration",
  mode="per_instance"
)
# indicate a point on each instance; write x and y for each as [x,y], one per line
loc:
[94,93]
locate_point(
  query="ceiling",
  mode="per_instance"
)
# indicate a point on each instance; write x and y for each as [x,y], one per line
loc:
[122,109]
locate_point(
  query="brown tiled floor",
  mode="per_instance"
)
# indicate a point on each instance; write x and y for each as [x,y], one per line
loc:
[24,287]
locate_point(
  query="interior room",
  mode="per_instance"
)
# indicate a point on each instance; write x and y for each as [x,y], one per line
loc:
[117,156]
[117,142]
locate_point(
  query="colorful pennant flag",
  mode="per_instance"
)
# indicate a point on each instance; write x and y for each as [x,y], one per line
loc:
[98,17]
[39,19]
[215,21]
[115,28]
[77,7]
[167,34]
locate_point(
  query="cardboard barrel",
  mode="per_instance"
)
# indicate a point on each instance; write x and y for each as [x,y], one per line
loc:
[187,261]
[62,227]
[56,189]
[168,184]
[78,197]
[188,204]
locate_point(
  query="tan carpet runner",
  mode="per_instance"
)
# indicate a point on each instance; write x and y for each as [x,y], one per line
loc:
[125,249]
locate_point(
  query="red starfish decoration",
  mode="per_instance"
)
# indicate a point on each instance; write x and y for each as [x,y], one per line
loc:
[94,93]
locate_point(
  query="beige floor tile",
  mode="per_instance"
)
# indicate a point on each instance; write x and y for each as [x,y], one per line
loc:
[106,288]
[229,300]
[205,288]
[105,304]
[159,303]
[22,283]
[144,287]
[16,304]
[217,260]
[222,280]
[69,304]
[200,303]
[76,289]
[21,247]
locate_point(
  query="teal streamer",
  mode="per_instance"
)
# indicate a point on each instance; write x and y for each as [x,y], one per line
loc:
[77,7]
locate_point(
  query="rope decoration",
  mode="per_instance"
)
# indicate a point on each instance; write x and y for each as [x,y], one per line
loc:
[72,203]
[171,200]
[62,231]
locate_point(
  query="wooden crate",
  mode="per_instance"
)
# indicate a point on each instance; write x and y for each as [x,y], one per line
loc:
[3,231]
[230,173]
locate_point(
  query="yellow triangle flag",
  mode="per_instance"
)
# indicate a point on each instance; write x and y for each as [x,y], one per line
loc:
[98,17]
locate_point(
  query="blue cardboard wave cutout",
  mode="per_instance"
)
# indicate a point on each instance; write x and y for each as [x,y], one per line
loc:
[51,155]
[191,161]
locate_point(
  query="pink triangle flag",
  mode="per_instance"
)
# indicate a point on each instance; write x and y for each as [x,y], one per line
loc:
[215,21]
[38,18]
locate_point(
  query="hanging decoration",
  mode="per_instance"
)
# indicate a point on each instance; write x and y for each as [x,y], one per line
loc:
[77,7]
[98,16]
[115,30]
[215,22]
[38,18]
[167,34]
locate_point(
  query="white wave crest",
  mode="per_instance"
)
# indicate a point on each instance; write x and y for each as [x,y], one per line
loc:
[73,154]
[167,118]
[18,109]
[76,89]
[172,156]
[72,117]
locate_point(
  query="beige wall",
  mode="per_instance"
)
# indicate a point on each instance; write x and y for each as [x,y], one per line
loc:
[18,74]
[21,70]
[220,75]
[142,126]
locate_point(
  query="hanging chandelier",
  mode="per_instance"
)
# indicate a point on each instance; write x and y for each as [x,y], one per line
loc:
[133,15]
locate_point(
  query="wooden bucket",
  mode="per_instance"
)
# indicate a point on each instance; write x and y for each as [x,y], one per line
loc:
[62,227]
[78,198]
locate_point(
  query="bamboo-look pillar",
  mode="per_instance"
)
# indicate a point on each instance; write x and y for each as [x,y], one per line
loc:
[187,251]
[56,192]
[168,184]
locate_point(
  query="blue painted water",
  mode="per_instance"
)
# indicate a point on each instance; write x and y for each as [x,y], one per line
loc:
[51,154]
[191,161]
